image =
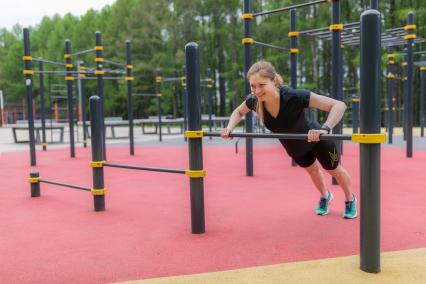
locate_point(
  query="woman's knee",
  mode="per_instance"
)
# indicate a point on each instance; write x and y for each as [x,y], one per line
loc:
[313,169]
[338,171]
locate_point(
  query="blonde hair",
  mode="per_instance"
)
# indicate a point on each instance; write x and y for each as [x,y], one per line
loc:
[264,69]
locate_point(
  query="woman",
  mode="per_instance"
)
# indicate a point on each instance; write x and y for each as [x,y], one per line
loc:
[281,110]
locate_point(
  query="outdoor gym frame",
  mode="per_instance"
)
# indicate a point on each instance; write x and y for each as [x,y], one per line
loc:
[70,75]
[336,83]
[369,139]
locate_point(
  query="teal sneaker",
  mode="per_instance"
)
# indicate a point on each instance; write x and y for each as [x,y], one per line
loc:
[322,208]
[350,209]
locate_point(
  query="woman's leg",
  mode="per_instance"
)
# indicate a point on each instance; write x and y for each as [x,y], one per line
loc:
[317,177]
[343,179]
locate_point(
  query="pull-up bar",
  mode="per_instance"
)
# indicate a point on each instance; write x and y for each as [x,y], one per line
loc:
[48,61]
[83,52]
[271,45]
[289,8]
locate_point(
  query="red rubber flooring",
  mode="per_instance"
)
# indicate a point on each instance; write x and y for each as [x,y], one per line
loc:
[145,231]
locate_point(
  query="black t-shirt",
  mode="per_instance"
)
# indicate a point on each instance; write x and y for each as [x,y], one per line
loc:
[290,119]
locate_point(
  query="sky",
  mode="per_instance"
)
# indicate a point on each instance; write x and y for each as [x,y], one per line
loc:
[30,12]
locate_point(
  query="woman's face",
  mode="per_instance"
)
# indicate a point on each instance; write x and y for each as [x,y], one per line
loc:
[261,87]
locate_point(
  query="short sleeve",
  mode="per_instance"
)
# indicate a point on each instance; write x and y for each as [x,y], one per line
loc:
[251,102]
[298,98]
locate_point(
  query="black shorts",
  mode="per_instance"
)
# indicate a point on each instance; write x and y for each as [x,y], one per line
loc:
[325,151]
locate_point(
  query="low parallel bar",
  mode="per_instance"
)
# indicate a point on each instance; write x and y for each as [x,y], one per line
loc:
[163,170]
[289,136]
[65,184]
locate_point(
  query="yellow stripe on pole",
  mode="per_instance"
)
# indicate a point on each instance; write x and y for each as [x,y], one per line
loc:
[194,134]
[410,27]
[410,36]
[98,191]
[28,72]
[247,40]
[27,58]
[336,27]
[195,173]
[375,138]
[247,16]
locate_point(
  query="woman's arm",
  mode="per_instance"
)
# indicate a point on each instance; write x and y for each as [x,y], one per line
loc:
[335,110]
[235,118]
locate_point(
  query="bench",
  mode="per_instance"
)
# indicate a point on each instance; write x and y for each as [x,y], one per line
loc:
[22,125]
[165,122]
[112,123]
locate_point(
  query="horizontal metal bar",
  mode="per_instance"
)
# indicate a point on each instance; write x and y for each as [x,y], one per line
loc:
[65,184]
[83,52]
[288,8]
[95,78]
[286,136]
[49,61]
[114,63]
[145,95]
[58,91]
[164,170]
[171,79]
[271,45]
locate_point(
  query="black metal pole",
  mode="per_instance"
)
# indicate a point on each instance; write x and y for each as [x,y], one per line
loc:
[293,57]
[35,183]
[185,100]
[410,33]
[82,68]
[422,97]
[43,107]
[373,4]
[28,72]
[158,94]
[129,79]
[355,115]
[336,77]
[69,78]
[195,144]
[210,97]
[404,93]
[247,41]
[390,86]
[99,72]
[96,125]
[370,153]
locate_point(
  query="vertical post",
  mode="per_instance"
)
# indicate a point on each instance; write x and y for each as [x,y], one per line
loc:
[370,153]
[185,100]
[3,118]
[210,98]
[158,94]
[99,72]
[410,28]
[422,97]
[35,183]
[390,86]
[82,98]
[69,78]
[28,72]
[355,115]
[374,5]
[404,93]
[336,76]
[195,143]
[247,41]
[293,56]
[42,106]
[129,79]
[96,125]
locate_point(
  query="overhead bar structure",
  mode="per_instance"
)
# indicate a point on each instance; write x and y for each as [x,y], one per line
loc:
[262,13]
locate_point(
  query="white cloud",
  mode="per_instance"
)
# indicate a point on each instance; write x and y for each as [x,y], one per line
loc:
[30,12]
